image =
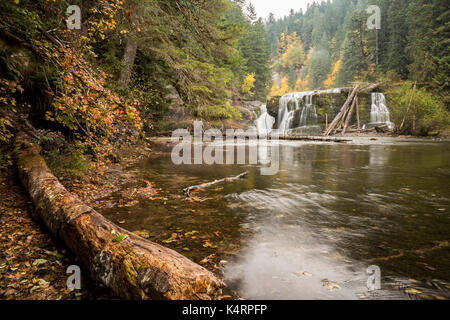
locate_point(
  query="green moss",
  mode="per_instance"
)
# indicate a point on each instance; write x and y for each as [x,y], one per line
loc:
[273,105]
[130,272]
[6,159]
[73,164]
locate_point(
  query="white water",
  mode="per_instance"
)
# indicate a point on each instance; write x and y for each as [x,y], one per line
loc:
[308,115]
[291,102]
[379,113]
[264,124]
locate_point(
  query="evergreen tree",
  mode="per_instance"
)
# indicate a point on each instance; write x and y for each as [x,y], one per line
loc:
[255,50]
[320,64]
[355,60]
[428,43]
[397,26]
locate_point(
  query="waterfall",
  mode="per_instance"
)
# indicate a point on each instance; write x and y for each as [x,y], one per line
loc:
[265,122]
[308,115]
[379,113]
[297,113]
[284,115]
[290,104]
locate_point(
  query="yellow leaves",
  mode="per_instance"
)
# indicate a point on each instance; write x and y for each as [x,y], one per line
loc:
[301,85]
[283,89]
[284,86]
[330,285]
[329,82]
[294,55]
[248,84]
[413,291]
[289,41]
[208,244]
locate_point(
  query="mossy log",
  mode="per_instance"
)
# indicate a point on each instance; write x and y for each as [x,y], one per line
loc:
[134,268]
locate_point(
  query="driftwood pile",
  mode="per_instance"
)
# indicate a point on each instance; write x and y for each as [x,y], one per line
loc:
[341,122]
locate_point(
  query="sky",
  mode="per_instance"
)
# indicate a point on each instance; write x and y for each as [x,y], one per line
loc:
[278,7]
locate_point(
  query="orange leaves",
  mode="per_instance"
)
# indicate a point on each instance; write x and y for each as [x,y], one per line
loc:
[8,91]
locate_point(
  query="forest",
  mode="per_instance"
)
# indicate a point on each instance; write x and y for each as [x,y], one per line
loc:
[114,75]
[329,46]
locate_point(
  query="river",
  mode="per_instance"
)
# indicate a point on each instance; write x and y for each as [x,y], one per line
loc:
[311,230]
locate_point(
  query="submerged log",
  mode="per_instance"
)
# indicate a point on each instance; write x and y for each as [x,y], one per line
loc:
[134,268]
[187,191]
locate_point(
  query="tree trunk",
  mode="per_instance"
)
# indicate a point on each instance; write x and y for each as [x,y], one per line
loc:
[128,61]
[342,112]
[187,191]
[349,116]
[357,113]
[134,268]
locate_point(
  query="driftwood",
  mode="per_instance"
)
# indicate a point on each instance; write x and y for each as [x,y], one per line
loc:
[342,119]
[382,129]
[248,136]
[342,112]
[321,139]
[187,191]
[349,115]
[357,113]
[132,267]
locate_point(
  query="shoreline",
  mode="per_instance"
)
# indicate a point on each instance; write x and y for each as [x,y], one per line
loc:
[91,189]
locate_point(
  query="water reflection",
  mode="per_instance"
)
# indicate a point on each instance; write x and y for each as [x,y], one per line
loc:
[284,260]
[330,212]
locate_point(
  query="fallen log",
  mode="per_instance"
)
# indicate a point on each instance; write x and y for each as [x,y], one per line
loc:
[349,115]
[382,129]
[320,139]
[187,191]
[132,267]
[248,136]
[357,113]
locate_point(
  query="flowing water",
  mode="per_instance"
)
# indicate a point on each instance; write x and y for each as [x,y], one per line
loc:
[302,102]
[265,122]
[379,114]
[312,230]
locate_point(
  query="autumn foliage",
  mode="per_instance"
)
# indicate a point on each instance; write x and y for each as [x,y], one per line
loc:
[41,52]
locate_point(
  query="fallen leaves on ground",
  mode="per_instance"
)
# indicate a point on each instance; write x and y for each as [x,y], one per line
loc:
[32,267]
